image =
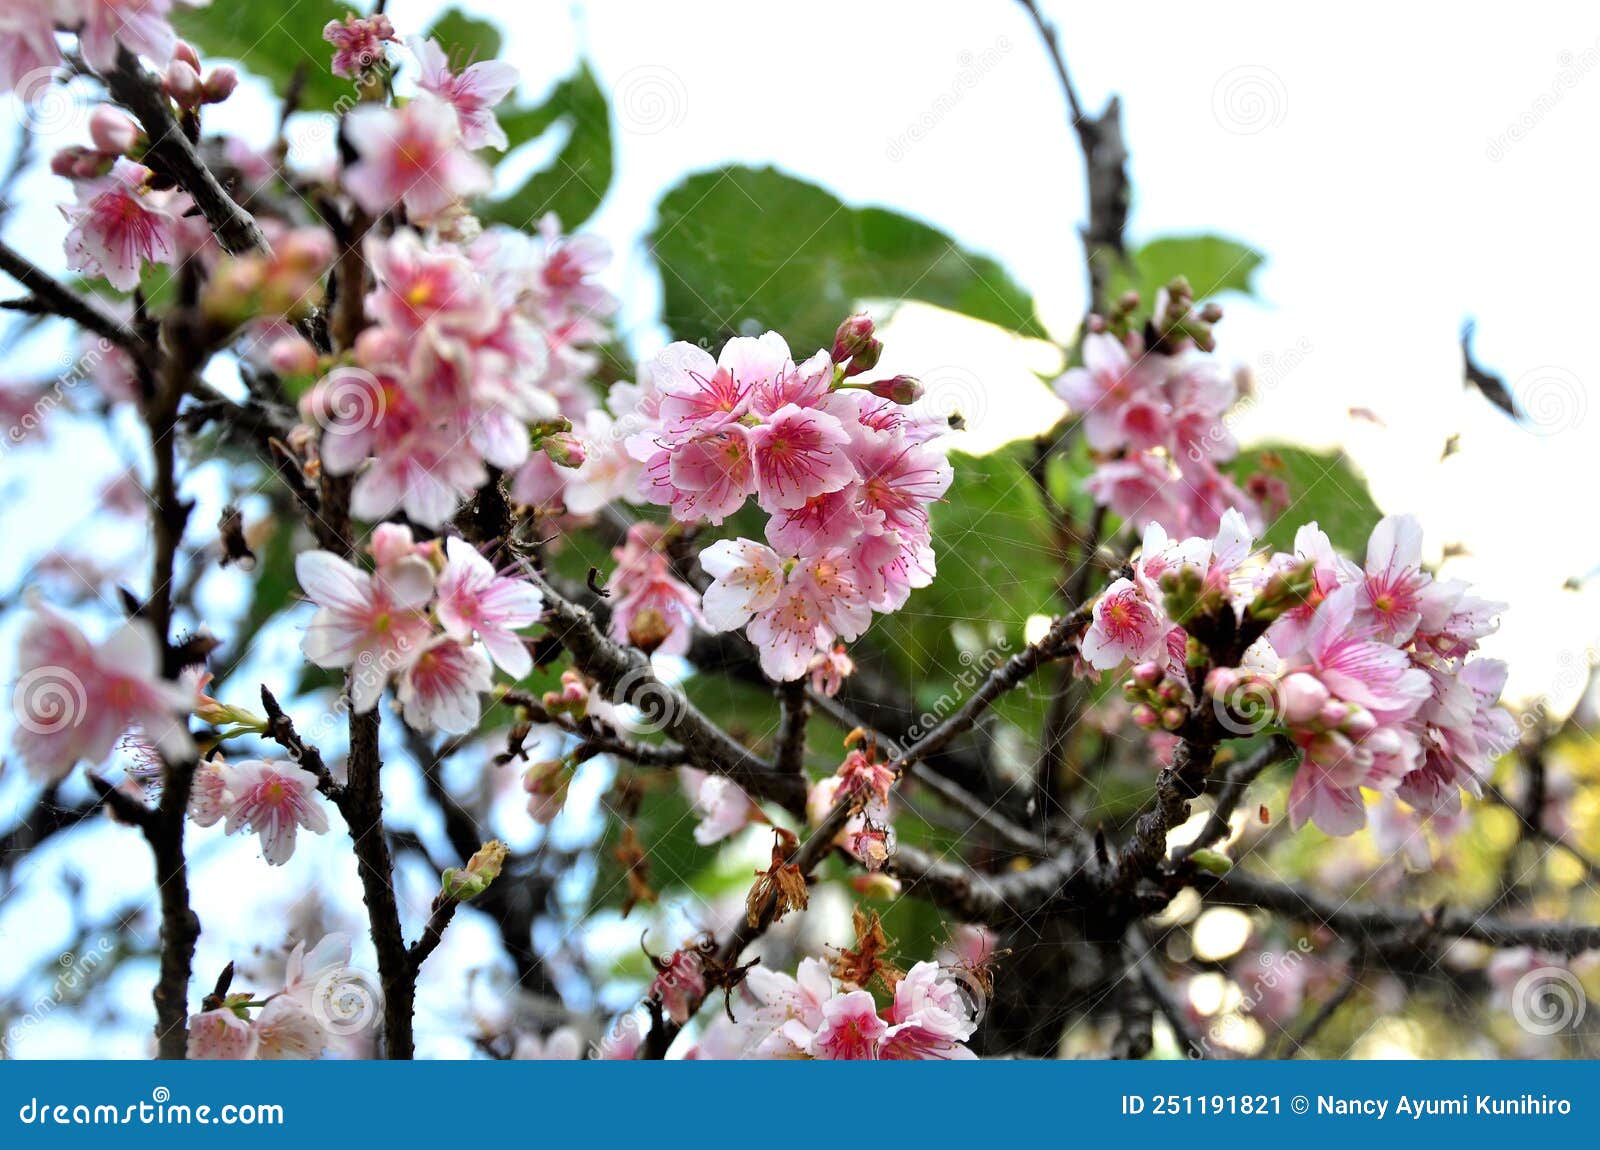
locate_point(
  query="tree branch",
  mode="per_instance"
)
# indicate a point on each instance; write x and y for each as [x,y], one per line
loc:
[61,301]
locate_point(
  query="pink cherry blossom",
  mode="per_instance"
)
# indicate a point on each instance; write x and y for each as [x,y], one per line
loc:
[142,26]
[721,805]
[472,93]
[358,43]
[707,477]
[679,984]
[440,688]
[208,797]
[1397,593]
[1126,627]
[747,578]
[1109,385]
[362,623]
[932,1018]
[851,1028]
[273,800]
[221,1034]
[820,601]
[411,155]
[651,608]
[119,224]
[73,698]
[286,1029]
[473,600]
[799,453]
[900,479]
[27,40]
[829,670]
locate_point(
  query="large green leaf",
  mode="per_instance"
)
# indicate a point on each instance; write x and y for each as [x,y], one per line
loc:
[745,249]
[997,566]
[1213,265]
[1323,486]
[575,183]
[272,44]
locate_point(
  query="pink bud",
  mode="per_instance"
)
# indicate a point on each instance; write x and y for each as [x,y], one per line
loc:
[901,389]
[182,83]
[112,132]
[853,336]
[564,450]
[219,84]
[1145,716]
[1172,718]
[1359,723]
[292,355]
[183,50]
[1301,697]
[1333,714]
[1147,674]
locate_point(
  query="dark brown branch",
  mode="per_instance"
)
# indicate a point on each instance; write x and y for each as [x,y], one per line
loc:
[624,676]
[1231,792]
[1360,922]
[280,729]
[59,300]
[795,711]
[172,153]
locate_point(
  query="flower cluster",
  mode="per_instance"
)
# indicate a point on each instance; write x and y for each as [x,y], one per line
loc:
[272,800]
[144,27]
[1155,418]
[844,474]
[322,1002]
[434,619]
[1367,668]
[810,1015]
[473,355]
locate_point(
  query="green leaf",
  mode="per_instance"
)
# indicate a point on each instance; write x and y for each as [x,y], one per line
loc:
[997,565]
[575,184]
[272,45]
[746,249]
[1213,265]
[1323,486]
[466,40]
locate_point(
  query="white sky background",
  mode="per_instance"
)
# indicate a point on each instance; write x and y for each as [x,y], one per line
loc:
[1366,171]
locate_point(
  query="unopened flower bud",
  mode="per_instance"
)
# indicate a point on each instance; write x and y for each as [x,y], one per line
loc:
[573,697]
[112,132]
[182,83]
[481,870]
[1301,697]
[1333,714]
[292,355]
[219,84]
[901,389]
[1144,715]
[183,50]
[1359,723]
[563,449]
[1173,717]
[853,336]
